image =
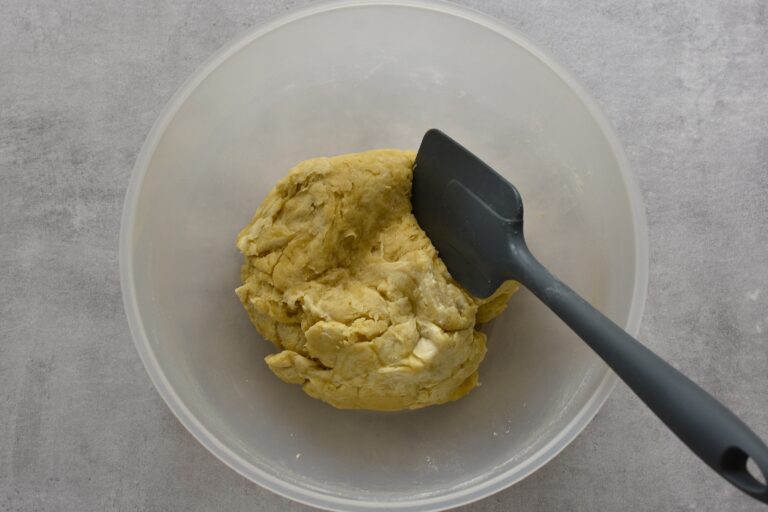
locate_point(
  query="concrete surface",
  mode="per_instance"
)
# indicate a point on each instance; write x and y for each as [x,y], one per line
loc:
[81,428]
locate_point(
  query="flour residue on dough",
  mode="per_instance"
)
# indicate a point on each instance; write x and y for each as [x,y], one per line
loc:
[341,278]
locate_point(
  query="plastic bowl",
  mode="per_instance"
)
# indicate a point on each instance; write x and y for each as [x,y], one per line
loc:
[345,77]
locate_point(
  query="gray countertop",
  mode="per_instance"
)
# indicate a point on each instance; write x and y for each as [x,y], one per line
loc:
[684,83]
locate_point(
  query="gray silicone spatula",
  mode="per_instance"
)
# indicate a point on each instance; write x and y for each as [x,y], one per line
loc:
[474,217]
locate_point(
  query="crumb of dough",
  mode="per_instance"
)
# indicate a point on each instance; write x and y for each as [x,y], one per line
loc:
[344,282]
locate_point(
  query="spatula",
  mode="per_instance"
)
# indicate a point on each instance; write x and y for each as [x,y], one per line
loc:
[474,217]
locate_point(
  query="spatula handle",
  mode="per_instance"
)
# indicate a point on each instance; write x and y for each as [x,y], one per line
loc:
[706,426]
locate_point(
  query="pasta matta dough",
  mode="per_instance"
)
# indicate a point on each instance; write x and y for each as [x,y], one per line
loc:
[341,278]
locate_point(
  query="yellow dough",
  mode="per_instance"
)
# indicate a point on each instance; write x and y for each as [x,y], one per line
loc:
[341,278]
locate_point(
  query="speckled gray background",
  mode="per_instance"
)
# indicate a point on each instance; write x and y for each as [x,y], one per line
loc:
[81,428]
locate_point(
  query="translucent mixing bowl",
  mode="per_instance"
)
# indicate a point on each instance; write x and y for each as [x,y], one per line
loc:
[350,76]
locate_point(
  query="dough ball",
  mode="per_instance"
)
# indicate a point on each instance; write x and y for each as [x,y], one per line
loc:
[341,278]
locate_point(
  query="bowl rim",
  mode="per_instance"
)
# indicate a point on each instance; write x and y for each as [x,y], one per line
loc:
[480,488]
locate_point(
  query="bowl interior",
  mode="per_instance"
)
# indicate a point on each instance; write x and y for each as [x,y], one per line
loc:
[341,79]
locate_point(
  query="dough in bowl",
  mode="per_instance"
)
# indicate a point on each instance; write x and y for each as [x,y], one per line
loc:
[341,278]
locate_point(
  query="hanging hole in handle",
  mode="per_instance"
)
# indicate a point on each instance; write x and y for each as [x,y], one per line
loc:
[755,472]
[744,472]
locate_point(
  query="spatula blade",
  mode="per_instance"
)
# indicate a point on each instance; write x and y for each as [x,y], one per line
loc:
[468,210]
